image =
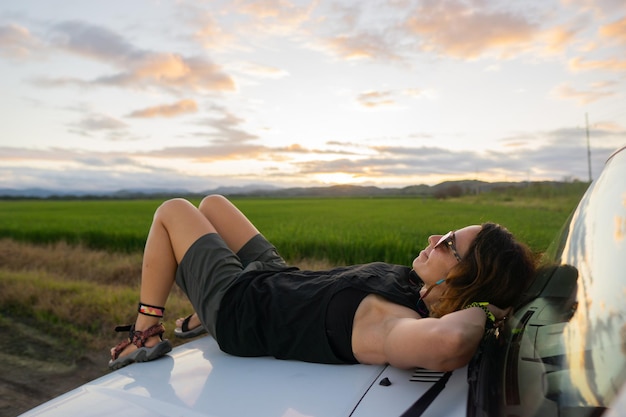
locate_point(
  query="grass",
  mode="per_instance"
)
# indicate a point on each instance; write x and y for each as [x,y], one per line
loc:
[342,231]
[111,225]
[75,293]
[393,230]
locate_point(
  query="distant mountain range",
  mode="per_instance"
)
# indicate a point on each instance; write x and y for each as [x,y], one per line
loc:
[448,188]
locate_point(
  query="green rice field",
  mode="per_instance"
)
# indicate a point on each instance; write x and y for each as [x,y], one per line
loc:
[339,230]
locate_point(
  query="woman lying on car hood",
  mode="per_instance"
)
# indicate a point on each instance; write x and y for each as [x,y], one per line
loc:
[431,315]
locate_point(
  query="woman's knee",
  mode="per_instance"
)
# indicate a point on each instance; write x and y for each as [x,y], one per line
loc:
[212,202]
[173,207]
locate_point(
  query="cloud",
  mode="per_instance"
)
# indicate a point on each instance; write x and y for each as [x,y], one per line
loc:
[375,99]
[104,174]
[608,127]
[210,153]
[410,38]
[397,32]
[276,16]
[90,41]
[171,72]
[615,31]
[225,128]
[248,22]
[46,82]
[458,29]
[110,128]
[100,122]
[613,64]
[414,92]
[556,154]
[139,68]
[362,46]
[14,154]
[274,9]
[343,165]
[16,41]
[597,92]
[407,163]
[234,151]
[600,8]
[558,38]
[208,30]
[348,32]
[167,110]
[390,162]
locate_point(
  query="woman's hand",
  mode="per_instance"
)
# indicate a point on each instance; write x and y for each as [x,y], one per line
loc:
[500,314]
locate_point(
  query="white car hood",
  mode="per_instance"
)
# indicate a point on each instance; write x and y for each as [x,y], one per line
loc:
[197,379]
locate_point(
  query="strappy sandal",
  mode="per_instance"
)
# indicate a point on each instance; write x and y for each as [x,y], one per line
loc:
[184,332]
[139,338]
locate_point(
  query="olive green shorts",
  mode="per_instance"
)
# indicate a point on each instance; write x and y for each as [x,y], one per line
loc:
[209,268]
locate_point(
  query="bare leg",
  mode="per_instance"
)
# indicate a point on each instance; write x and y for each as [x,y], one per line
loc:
[231,224]
[177,224]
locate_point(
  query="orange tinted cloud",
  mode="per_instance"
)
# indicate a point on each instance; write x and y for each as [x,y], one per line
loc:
[361,46]
[376,99]
[615,30]
[276,16]
[209,33]
[16,41]
[580,64]
[139,67]
[171,71]
[387,98]
[262,71]
[559,38]
[168,110]
[597,92]
[162,66]
[457,29]
[265,8]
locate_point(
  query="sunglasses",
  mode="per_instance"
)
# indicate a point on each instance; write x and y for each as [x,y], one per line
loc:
[449,241]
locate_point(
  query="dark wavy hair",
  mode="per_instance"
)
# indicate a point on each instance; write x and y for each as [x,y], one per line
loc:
[497,269]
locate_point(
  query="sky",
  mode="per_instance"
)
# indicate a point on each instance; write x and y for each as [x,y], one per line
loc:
[191,94]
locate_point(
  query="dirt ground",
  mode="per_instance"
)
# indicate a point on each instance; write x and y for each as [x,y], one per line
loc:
[35,368]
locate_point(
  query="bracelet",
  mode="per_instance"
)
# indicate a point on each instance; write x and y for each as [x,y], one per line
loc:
[483,306]
[148,310]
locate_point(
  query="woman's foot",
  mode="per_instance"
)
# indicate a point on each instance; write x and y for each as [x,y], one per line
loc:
[189,327]
[140,346]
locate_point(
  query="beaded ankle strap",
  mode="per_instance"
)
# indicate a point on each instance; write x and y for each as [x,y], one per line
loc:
[148,310]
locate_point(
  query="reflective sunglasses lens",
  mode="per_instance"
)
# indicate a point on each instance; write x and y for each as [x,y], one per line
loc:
[443,239]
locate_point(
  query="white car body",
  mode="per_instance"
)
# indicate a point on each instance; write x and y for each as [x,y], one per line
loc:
[197,379]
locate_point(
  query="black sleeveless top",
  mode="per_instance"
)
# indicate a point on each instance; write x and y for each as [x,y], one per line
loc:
[282,313]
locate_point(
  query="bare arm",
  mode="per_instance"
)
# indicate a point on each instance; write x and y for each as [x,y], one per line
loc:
[441,344]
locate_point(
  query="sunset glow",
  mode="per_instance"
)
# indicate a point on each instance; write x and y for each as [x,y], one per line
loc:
[201,94]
